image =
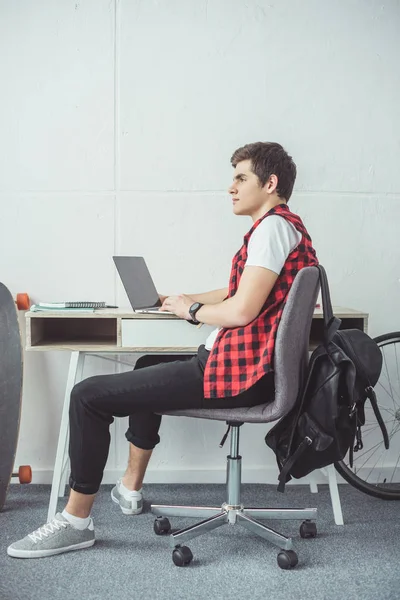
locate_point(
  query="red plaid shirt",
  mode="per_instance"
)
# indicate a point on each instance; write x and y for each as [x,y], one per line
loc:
[240,356]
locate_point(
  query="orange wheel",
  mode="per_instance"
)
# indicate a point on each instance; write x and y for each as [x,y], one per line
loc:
[25,474]
[23,302]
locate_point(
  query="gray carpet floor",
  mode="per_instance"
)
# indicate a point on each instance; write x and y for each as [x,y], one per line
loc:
[360,560]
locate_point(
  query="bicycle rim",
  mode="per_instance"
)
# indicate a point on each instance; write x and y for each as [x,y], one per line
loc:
[376,471]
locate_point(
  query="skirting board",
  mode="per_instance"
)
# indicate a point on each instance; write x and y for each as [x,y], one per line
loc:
[182,476]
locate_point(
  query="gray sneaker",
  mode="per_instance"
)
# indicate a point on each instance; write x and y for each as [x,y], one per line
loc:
[133,506]
[55,537]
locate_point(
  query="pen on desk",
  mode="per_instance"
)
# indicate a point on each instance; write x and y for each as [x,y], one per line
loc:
[109,306]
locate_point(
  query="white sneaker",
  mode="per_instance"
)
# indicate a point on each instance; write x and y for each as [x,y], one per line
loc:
[129,506]
[55,537]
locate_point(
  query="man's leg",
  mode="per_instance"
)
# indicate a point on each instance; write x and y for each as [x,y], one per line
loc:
[80,505]
[94,404]
[97,400]
[136,469]
[139,457]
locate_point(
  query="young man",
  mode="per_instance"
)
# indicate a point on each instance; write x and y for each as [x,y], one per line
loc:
[233,368]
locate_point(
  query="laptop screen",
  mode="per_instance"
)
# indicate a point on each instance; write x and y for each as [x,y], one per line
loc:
[137,281]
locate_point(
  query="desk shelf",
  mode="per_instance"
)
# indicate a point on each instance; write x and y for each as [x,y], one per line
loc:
[68,333]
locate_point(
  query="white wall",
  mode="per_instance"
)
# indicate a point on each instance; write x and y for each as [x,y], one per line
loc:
[118,120]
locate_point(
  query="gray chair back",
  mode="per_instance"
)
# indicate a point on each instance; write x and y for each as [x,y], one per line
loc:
[290,358]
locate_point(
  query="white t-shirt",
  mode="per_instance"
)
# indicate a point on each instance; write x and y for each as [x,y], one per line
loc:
[269,246]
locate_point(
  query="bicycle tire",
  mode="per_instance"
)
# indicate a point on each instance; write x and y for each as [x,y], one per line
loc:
[348,475]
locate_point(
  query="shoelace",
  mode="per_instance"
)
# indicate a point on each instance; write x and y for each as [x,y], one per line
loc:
[47,529]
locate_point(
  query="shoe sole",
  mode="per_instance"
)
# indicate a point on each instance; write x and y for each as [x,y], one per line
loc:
[43,553]
[126,511]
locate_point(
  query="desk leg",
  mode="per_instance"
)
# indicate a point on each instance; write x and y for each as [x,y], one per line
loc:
[335,498]
[65,462]
[63,435]
[313,484]
[330,473]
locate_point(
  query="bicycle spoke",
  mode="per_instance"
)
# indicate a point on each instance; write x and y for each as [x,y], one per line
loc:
[394,470]
[360,455]
[366,452]
[368,427]
[387,371]
[372,468]
[368,456]
[387,392]
[377,428]
[381,409]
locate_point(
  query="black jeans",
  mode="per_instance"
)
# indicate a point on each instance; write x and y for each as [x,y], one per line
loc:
[158,382]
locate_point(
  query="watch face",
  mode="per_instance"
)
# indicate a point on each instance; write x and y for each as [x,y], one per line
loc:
[195,306]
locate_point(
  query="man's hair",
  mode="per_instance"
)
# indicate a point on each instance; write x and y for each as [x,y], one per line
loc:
[269,158]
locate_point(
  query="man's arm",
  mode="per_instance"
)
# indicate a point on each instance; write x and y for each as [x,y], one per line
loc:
[213,297]
[254,288]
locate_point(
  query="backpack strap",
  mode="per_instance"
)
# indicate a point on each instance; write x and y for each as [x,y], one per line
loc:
[290,462]
[331,323]
[372,396]
[359,445]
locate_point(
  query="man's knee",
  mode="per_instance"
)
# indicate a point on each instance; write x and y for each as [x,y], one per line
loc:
[149,360]
[87,399]
[84,390]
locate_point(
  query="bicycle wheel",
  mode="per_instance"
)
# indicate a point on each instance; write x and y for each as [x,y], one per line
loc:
[376,471]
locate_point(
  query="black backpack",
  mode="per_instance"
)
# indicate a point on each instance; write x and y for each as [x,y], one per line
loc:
[329,410]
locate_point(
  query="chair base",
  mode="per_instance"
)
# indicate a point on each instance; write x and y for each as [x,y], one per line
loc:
[231,515]
[233,512]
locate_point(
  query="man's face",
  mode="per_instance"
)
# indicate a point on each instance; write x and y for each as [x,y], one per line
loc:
[247,194]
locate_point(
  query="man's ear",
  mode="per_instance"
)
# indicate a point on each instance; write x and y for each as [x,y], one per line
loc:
[271,184]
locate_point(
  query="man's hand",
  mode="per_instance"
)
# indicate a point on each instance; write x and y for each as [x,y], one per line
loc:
[162,298]
[179,305]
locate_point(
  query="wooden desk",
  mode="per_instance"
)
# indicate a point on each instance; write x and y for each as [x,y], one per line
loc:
[120,330]
[117,331]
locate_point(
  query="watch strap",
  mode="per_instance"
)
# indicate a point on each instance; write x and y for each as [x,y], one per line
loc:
[193,310]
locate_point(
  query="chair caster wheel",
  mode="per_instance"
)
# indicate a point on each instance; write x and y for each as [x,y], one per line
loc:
[162,526]
[308,529]
[287,559]
[182,556]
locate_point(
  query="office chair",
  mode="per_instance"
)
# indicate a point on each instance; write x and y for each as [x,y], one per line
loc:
[290,362]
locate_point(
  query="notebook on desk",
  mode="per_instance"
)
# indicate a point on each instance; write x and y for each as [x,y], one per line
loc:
[138,284]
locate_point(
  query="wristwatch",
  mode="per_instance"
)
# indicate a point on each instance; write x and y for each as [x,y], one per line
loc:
[193,310]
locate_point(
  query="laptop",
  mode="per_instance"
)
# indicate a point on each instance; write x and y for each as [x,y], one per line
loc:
[138,284]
